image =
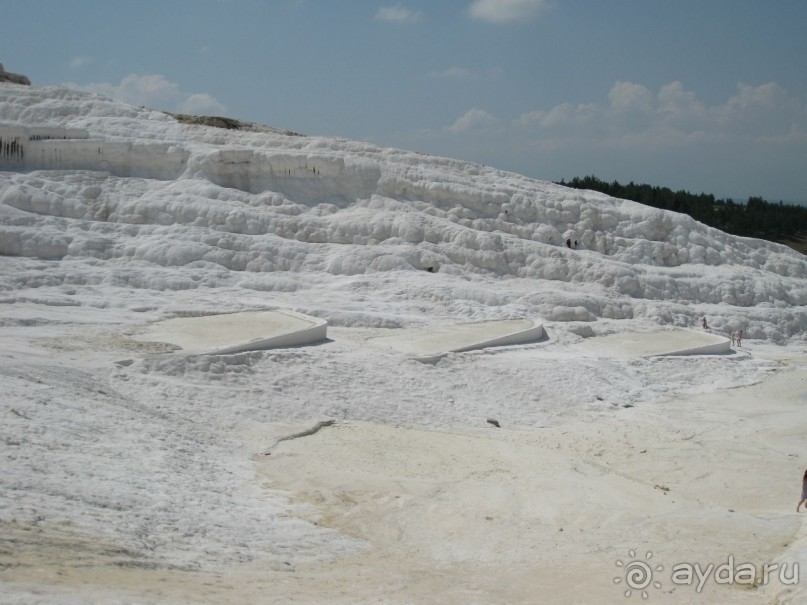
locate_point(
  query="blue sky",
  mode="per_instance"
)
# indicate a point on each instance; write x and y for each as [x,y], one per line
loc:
[704,95]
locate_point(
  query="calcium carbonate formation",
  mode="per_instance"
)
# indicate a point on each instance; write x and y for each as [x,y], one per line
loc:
[87,177]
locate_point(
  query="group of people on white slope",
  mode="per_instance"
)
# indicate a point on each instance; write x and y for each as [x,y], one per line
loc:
[736,335]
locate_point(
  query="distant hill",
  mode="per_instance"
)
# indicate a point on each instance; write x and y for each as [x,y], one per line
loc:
[6,76]
[775,222]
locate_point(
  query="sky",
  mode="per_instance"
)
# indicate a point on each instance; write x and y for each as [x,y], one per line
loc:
[702,95]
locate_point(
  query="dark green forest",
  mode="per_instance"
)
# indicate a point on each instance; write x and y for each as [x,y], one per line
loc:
[777,222]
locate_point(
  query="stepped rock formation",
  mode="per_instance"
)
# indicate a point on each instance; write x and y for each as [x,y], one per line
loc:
[90,179]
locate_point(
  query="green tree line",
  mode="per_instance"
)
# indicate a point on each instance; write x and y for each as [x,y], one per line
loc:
[756,218]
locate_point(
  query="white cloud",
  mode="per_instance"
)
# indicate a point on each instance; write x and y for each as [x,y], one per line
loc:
[147,90]
[680,109]
[202,104]
[673,99]
[155,91]
[626,96]
[635,117]
[561,115]
[463,73]
[453,73]
[672,116]
[397,14]
[760,110]
[79,62]
[473,119]
[754,142]
[505,11]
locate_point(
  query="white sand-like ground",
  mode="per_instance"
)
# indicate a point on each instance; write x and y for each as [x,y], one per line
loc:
[496,514]
[487,515]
